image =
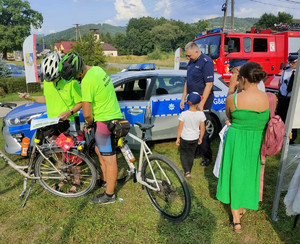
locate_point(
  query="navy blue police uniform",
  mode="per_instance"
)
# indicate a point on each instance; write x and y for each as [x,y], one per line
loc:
[200,72]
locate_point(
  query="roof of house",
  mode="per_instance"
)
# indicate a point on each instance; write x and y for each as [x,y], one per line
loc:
[67,46]
[57,45]
[108,47]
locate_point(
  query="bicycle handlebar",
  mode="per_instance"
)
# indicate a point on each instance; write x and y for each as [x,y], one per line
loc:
[8,105]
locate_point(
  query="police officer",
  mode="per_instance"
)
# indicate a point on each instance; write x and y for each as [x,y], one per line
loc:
[200,77]
[285,91]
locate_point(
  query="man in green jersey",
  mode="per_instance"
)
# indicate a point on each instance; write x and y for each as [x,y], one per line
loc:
[100,106]
[63,100]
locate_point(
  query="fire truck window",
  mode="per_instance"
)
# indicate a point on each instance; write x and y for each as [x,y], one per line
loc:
[236,47]
[260,45]
[247,44]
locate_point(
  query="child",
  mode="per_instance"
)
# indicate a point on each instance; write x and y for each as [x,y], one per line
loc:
[188,133]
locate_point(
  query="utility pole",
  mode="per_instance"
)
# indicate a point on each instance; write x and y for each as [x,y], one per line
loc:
[77,32]
[232,14]
[224,8]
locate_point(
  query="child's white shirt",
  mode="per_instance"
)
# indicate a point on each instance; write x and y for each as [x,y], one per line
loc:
[191,124]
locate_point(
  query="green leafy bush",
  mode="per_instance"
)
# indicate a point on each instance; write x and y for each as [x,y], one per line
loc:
[18,84]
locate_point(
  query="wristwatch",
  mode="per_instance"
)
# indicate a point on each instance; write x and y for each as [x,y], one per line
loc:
[71,111]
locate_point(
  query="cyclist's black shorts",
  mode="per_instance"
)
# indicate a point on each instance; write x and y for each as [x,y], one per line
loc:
[53,130]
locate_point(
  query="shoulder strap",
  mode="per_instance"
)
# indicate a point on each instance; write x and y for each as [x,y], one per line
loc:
[235,100]
[271,103]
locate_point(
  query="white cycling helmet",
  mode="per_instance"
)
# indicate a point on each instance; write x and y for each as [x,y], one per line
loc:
[49,66]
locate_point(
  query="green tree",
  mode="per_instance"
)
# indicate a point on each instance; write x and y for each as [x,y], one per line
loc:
[16,19]
[167,36]
[267,21]
[284,17]
[90,50]
[119,41]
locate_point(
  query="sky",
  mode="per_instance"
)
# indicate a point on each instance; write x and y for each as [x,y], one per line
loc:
[63,14]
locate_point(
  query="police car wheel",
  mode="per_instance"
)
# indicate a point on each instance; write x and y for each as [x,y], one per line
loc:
[212,127]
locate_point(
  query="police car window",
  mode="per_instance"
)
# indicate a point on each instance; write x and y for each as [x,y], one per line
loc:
[132,90]
[260,45]
[168,85]
[247,42]
[215,88]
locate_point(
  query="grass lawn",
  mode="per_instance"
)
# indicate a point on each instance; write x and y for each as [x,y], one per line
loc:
[50,219]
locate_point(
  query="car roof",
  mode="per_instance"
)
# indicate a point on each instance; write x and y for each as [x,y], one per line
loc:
[126,75]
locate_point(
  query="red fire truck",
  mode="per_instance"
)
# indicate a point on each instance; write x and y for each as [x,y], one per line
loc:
[266,47]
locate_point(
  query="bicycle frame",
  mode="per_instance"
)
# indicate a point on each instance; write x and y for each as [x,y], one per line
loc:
[26,170]
[145,150]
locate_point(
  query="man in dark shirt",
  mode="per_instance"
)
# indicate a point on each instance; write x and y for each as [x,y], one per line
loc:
[200,78]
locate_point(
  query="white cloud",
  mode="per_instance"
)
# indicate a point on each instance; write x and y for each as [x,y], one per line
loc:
[52,31]
[165,7]
[127,9]
[210,16]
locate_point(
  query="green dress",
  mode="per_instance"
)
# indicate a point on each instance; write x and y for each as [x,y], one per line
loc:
[239,177]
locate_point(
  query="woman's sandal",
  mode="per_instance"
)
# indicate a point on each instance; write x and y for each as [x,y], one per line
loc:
[188,175]
[75,190]
[236,230]
[243,213]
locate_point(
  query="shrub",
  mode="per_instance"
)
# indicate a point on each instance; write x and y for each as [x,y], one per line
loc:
[18,84]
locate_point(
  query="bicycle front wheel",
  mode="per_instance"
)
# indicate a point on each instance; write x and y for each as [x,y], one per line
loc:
[172,199]
[66,174]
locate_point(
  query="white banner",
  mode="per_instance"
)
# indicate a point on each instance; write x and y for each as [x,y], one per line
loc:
[29,51]
[177,59]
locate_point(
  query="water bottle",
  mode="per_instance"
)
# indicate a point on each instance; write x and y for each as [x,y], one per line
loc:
[25,146]
[127,153]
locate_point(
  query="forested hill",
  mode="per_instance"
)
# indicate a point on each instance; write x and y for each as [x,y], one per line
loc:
[70,34]
[240,24]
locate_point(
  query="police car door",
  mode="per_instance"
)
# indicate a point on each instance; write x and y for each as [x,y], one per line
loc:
[132,100]
[164,105]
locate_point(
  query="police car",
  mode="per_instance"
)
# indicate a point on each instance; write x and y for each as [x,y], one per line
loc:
[146,96]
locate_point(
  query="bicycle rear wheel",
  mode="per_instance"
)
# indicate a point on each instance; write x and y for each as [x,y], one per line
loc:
[123,175]
[62,170]
[173,198]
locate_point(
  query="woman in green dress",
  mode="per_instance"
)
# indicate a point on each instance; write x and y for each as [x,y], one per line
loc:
[248,111]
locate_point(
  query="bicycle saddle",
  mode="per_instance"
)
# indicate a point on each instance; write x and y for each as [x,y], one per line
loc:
[144,127]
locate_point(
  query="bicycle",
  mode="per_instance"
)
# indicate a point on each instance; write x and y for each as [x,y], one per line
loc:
[163,182]
[52,166]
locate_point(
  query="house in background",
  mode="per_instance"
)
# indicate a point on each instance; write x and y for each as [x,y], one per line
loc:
[109,50]
[63,47]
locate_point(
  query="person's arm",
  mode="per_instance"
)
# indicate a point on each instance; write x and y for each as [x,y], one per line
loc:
[179,130]
[183,95]
[208,75]
[202,131]
[233,84]
[66,114]
[39,99]
[206,92]
[228,103]
[87,112]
